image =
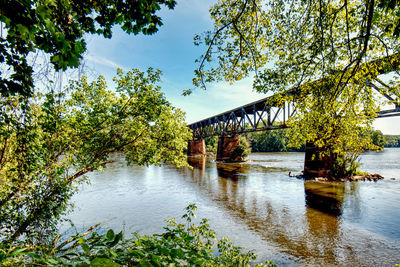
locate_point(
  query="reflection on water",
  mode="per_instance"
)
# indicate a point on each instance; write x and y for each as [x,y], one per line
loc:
[198,162]
[326,197]
[291,221]
[233,171]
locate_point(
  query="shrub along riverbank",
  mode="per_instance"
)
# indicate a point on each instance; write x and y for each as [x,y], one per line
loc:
[182,244]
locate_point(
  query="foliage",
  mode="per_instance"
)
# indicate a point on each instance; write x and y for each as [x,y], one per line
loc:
[242,150]
[180,245]
[272,141]
[211,144]
[326,56]
[392,140]
[378,139]
[49,143]
[346,165]
[58,28]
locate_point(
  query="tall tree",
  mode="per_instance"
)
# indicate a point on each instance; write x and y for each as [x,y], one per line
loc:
[58,28]
[45,153]
[329,53]
[50,140]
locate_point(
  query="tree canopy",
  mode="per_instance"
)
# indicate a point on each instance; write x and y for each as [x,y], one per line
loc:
[46,150]
[329,54]
[50,139]
[58,28]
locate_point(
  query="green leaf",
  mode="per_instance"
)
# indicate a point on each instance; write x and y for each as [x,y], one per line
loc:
[86,248]
[103,262]
[18,251]
[137,253]
[110,234]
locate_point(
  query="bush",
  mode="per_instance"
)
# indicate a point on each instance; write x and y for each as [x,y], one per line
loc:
[346,165]
[242,151]
[181,245]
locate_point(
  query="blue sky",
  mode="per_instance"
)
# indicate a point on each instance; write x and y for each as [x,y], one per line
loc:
[172,50]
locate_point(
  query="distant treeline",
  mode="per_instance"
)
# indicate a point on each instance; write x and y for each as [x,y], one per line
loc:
[277,141]
[271,141]
[266,141]
[392,140]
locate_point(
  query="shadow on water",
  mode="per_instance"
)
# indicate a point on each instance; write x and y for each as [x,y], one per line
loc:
[233,171]
[325,197]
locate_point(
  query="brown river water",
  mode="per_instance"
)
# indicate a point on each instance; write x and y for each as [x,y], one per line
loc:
[258,206]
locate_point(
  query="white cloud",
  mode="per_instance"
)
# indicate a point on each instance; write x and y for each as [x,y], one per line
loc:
[102,61]
[239,93]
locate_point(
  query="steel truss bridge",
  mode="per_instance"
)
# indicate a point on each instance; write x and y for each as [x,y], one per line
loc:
[260,115]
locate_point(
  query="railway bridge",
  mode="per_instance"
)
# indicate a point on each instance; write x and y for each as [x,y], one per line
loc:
[260,115]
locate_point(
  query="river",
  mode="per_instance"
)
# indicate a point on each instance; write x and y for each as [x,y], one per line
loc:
[258,206]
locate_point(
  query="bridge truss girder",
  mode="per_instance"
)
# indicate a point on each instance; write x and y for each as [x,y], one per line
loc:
[256,116]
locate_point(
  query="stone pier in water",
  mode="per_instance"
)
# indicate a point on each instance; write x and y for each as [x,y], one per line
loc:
[226,147]
[196,147]
[316,165]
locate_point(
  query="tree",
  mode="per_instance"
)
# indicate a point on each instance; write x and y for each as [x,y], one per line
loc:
[326,56]
[46,152]
[50,139]
[211,144]
[378,139]
[58,28]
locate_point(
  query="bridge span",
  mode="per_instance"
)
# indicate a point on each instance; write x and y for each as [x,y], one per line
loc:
[262,115]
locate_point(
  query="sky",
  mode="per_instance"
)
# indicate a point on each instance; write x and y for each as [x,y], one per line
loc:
[172,50]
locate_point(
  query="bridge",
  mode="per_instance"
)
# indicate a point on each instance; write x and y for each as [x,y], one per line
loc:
[262,115]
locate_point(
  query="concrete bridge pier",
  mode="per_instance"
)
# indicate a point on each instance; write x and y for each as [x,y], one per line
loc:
[196,147]
[226,147]
[316,165]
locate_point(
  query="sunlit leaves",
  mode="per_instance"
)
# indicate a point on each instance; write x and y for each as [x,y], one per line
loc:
[239,29]
[47,149]
[57,27]
[331,51]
